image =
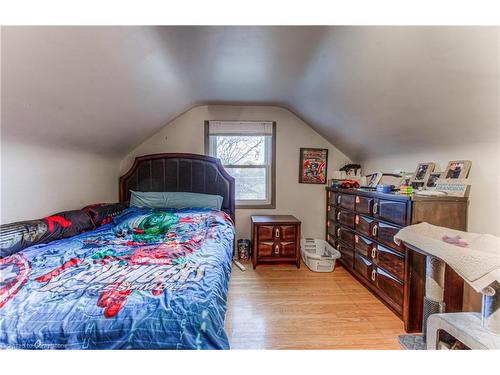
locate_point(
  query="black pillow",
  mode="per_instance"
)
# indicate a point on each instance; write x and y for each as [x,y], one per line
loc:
[15,237]
[103,213]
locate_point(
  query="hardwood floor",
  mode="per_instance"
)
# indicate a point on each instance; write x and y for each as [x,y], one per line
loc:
[282,307]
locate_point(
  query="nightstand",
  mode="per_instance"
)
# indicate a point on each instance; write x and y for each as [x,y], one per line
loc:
[276,239]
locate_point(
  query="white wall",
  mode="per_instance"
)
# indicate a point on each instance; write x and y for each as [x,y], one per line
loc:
[306,202]
[37,180]
[484,202]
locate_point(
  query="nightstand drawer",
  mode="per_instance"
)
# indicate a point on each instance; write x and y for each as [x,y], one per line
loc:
[286,233]
[265,233]
[265,249]
[287,249]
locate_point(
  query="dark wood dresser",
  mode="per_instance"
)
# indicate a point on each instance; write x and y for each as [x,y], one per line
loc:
[361,224]
[276,238]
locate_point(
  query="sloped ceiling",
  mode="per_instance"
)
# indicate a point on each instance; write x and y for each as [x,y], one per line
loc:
[368,90]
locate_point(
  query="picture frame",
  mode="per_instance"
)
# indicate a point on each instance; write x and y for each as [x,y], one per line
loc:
[432,180]
[457,169]
[373,179]
[313,165]
[422,173]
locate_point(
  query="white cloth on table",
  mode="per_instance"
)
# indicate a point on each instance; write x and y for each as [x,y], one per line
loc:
[478,263]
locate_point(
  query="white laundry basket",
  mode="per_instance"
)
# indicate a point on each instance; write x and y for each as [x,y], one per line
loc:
[318,255]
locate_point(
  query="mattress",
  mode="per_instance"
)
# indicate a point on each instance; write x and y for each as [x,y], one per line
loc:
[152,279]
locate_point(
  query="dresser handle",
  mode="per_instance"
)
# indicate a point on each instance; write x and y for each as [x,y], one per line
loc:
[339,198]
[338,247]
[374,253]
[338,232]
[374,273]
[277,233]
[338,216]
[375,208]
[277,249]
[374,231]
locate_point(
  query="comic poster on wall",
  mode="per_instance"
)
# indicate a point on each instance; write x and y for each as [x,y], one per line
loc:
[313,165]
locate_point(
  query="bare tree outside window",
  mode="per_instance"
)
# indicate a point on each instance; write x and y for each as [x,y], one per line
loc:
[241,150]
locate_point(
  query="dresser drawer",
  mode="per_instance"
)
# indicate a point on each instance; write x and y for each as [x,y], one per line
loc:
[392,211]
[332,197]
[332,213]
[332,228]
[364,246]
[391,261]
[364,225]
[265,233]
[332,240]
[347,201]
[385,234]
[347,255]
[346,218]
[363,266]
[390,288]
[364,205]
[346,236]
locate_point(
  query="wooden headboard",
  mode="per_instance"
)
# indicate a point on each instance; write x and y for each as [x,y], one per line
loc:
[179,172]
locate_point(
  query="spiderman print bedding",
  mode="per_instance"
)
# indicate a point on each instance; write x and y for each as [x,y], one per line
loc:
[151,279]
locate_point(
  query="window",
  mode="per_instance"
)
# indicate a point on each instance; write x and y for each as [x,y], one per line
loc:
[246,149]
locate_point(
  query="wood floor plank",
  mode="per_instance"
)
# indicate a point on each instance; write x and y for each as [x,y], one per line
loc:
[282,307]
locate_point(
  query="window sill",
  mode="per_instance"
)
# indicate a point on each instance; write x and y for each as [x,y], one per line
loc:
[256,206]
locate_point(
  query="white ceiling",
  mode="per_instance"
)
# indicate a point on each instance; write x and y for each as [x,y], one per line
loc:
[368,90]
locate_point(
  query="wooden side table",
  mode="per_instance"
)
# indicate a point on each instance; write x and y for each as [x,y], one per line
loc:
[276,239]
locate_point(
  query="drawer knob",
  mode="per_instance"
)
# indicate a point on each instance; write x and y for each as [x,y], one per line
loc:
[375,208]
[374,275]
[374,253]
[277,249]
[374,231]
[339,198]
[338,232]
[338,216]
[277,233]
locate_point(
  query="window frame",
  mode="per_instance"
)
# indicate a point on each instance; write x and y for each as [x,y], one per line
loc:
[271,175]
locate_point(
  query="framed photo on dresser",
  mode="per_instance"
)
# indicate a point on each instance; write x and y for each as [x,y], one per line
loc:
[313,165]
[422,173]
[457,169]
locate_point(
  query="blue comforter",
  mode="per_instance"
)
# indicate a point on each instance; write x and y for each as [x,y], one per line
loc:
[153,279]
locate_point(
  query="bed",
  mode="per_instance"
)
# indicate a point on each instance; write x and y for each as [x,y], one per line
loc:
[113,288]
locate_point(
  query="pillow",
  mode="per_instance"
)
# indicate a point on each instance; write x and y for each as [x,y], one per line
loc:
[169,199]
[103,213]
[17,236]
